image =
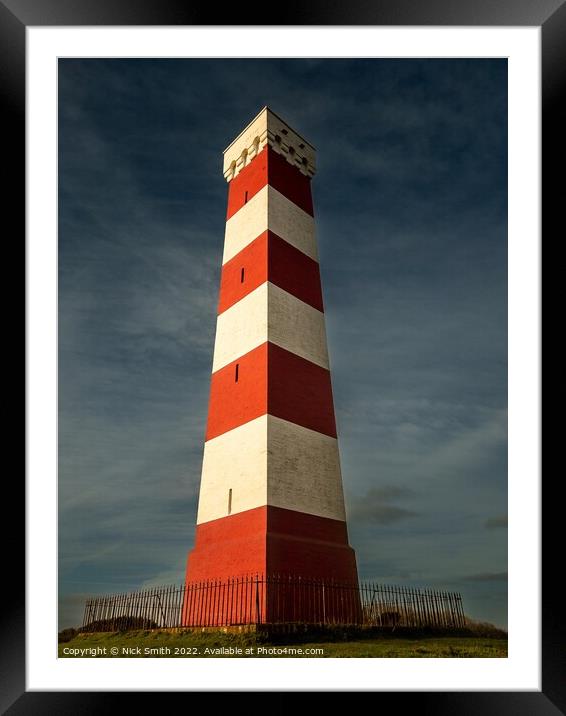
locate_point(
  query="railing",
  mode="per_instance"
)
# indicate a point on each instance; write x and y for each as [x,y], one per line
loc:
[274,599]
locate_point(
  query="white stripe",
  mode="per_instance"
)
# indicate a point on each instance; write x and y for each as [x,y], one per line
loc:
[237,461]
[270,314]
[303,470]
[269,461]
[269,209]
[241,328]
[245,225]
[296,326]
[291,223]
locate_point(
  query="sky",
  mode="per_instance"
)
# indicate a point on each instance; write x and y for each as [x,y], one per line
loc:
[411,209]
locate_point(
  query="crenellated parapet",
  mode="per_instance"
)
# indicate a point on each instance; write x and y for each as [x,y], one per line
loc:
[268,129]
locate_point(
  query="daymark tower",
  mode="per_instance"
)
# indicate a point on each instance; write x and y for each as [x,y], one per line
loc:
[271,498]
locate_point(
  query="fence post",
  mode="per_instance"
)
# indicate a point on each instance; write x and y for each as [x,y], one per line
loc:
[257,610]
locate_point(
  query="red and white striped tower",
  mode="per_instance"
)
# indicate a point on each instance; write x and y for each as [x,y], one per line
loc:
[271,498]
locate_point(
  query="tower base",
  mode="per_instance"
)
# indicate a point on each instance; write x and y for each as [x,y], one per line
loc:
[272,565]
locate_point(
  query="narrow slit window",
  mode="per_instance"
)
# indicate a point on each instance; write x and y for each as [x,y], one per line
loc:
[242,276]
[237,373]
[246,198]
[229,500]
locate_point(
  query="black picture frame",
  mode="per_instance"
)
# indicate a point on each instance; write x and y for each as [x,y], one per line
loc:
[550,16]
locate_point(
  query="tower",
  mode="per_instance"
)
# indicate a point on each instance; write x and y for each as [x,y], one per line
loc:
[271,498]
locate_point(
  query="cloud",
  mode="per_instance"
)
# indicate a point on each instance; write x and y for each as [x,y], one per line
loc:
[375,506]
[494,523]
[486,577]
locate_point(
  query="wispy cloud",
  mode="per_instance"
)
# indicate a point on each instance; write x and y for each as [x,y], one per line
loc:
[487,577]
[376,506]
[495,523]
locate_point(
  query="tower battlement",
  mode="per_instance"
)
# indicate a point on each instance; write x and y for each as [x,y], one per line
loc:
[268,129]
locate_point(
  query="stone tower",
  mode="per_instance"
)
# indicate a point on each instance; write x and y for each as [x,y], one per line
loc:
[271,499]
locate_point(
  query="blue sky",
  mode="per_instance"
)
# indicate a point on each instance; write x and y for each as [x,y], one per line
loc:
[411,208]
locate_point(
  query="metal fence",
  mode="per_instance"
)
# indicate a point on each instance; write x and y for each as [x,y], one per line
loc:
[274,599]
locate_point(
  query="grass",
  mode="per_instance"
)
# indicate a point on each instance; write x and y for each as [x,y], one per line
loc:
[187,644]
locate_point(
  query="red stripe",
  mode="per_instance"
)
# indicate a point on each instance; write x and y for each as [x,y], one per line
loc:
[270,258]
[271,380]
[270,540]
[320,560]
[301,525]
[300,391]
[273,169]
[294,271]
[230,546]
[252,260]
[247,183]
[289,181]
[235,402]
